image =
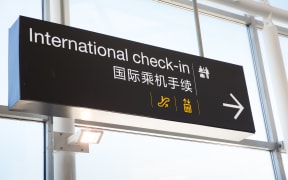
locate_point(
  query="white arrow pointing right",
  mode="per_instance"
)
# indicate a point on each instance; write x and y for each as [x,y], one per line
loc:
[238,106]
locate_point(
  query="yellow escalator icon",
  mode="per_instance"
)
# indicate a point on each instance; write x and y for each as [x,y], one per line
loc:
[164,102]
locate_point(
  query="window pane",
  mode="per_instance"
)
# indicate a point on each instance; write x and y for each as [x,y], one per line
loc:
[121,156]
[143,21]
[282,4]
[137,157]
[22,147]
[10,11]
[284,46]
[227,41]
[285,162]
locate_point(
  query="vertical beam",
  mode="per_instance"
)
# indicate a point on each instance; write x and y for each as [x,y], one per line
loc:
[48,153]
[265,99]
[198,29]
[45,10]
[65,12]
[64,161]
[277,74]
[59,165]
[56,11]
[54,14]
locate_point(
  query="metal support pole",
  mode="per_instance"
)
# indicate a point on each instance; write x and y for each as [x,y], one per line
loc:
[198,29]
[265,99]
[277,74]
[64,161]
[56,11]
[60,164]
[48,145]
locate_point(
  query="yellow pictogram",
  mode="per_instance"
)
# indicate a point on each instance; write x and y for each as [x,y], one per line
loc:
[187,105]
[164,102]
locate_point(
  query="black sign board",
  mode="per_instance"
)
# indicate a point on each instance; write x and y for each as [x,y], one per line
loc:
[58,70]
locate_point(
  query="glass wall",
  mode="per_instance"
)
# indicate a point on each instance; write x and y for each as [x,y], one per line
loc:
[131,156]
[10,11]
[174,29]
[127,156]
[228,42]
[284,46]
[121,156]
[285,162]
[22,150]
[142,21]
[282,4]
[22,142]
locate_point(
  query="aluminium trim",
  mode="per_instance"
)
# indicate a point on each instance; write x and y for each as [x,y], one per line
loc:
[6,113]
[211,11]
[265,99]
[207,10]
[246,143]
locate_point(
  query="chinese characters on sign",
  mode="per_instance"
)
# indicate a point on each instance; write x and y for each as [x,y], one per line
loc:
[149,78]
[158,80]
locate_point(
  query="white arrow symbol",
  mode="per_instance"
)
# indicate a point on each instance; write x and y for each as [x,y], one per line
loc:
[238,106]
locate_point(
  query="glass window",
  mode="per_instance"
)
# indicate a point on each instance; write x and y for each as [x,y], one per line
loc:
[173,28]
[284,46]
[143,21]
[282,4]
[10,11]
[285,162]
[130,156]
[228,42]
[121,156]
[22,147]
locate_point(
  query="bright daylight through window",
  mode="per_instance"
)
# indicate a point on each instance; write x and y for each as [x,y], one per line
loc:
[22,142]
[174,28]
[35,146]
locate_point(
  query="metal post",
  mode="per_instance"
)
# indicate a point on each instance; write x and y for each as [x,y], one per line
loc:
[277,73]
[265,99]
[198,29]
[60,164]
[56,11]
[48,145]
[64,161]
